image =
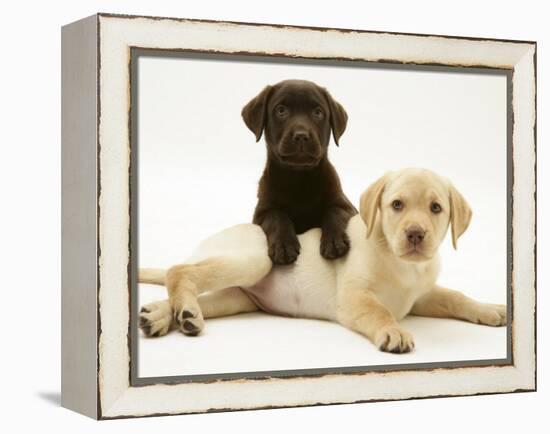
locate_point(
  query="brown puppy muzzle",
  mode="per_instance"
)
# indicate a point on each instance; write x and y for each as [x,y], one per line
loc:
[300,148]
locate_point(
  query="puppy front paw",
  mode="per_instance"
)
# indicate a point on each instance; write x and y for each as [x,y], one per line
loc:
[393,339]
[490,314]
[284,251]
[334,245]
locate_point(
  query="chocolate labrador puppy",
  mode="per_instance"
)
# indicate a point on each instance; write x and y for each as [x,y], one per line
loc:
[299,188]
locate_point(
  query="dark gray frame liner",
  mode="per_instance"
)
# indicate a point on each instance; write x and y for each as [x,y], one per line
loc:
[135,54]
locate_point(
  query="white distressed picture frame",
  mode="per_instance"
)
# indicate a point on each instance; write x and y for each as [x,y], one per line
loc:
[96,213]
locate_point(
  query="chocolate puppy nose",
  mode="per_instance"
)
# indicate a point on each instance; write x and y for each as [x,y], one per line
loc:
[415,235]
[300,137]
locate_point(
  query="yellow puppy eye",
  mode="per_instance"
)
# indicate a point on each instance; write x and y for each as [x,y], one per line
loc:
[397,205]
[435,208]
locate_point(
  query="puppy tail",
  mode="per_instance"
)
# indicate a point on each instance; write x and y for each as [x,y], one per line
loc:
[155,276]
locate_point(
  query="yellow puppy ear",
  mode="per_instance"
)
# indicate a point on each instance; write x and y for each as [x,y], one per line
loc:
[370,202]
[461,214]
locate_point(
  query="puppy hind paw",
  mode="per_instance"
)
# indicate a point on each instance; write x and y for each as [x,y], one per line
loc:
[192,327]
[155,319]
[189,320]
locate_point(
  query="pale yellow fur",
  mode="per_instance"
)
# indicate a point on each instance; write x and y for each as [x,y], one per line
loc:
[375,285]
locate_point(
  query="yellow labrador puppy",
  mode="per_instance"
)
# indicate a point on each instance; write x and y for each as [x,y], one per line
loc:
[390,271]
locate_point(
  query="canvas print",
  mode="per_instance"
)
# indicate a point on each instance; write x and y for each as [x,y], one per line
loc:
[297,217]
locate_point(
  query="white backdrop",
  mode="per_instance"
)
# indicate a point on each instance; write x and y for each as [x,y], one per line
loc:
[198,172]
[30,174]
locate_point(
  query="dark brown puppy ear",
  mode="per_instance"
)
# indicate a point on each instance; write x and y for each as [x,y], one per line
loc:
[338,117]
[254,113]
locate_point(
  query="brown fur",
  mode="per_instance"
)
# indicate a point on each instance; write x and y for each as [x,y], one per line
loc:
[299,188]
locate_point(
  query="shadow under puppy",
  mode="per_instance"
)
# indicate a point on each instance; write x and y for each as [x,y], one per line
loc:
[391,270]
[299,188]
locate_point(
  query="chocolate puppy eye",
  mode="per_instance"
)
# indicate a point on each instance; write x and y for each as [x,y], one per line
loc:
[281,110]
[318,113]
[435,208]
[397,205]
